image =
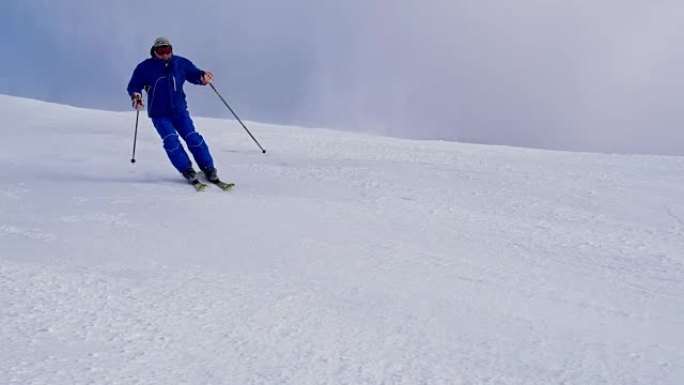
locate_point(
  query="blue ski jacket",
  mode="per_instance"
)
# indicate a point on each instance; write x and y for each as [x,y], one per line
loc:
[163,80]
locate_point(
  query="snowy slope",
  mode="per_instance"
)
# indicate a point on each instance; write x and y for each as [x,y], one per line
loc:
[339,259]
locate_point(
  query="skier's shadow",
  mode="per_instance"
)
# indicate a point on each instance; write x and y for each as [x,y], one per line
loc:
[147,178]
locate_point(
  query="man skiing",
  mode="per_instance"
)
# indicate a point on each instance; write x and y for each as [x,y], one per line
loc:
[162,76]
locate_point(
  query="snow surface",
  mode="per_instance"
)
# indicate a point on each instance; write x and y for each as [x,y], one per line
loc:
[339,259]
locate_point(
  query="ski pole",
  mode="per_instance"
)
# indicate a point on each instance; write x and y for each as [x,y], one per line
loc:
[135,135]
[236,117]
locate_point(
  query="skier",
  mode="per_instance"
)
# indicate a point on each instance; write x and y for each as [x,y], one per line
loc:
[162,76]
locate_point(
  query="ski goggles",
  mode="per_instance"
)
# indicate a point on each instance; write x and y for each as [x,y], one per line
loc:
[163,50]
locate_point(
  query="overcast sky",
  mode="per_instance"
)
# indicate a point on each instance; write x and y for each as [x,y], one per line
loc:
[603,75]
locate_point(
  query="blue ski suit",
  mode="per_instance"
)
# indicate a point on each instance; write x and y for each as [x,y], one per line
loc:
[166,106]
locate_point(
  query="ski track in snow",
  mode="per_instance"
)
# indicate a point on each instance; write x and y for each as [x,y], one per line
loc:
[339,259]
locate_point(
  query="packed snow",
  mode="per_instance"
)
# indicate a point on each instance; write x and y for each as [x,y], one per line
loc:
[339,258]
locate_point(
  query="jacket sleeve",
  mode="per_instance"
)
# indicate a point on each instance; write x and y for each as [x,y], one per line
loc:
[192,73]
[137,81]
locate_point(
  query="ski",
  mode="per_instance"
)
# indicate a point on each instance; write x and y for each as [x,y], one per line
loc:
[199,186]
[223,185]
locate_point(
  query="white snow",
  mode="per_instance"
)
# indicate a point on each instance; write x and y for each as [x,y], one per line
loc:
[339,259]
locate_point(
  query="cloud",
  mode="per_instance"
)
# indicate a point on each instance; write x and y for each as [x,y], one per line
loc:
[601,76]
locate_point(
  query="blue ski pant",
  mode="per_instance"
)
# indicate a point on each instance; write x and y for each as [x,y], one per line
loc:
[179,124]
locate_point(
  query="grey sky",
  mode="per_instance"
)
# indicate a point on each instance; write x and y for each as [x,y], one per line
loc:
[599,75]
